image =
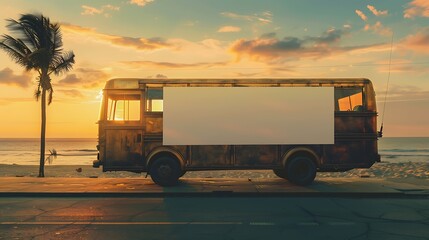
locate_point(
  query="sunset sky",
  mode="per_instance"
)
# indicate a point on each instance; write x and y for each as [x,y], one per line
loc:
[222,39]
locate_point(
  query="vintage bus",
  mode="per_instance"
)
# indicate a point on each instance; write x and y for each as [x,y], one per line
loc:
[131,131]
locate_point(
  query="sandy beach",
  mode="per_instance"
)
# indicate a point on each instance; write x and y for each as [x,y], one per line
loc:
[379,170]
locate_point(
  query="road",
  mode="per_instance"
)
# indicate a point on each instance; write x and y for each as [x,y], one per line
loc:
[213,218]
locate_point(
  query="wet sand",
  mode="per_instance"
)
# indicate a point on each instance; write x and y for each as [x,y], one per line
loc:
[379,170]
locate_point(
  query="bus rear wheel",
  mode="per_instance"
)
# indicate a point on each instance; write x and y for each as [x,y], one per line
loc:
[301,170]
[165,171]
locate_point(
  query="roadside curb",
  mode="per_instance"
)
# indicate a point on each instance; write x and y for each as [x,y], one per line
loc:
[405,195]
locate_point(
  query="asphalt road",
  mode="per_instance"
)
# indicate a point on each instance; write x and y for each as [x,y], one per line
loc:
[213,218]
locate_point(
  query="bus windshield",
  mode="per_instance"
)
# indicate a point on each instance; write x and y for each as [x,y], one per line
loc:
[123,107]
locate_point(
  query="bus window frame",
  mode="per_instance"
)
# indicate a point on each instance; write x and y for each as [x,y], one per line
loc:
[110,92]
[364,99]
[146,100]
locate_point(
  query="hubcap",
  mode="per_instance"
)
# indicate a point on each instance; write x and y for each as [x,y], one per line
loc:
[164,170]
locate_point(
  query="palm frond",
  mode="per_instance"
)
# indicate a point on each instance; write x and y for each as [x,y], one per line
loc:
[44,84]
[15,55]
[52,156]
[64,64]
[35,30]
[36,25]
[48,86]
[50,95]
[45,81]
[57,42]
[40,58]
[16,44]
[38,46]
[12,47]
[37,92]
[26,33]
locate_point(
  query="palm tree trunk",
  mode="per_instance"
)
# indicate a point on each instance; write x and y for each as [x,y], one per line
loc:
[42,136]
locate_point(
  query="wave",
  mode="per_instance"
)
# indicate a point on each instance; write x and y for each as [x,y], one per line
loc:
[75,155]
[80,150]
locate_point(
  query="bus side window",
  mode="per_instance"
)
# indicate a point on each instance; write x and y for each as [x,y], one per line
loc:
[154,100]
[123,107]
[349,99]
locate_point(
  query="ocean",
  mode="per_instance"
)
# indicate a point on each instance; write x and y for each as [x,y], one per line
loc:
[70,151]
[77,151]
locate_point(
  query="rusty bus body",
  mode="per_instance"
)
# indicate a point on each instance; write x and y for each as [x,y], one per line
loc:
[131,133]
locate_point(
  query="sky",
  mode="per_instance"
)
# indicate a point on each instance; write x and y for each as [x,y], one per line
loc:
[222,39]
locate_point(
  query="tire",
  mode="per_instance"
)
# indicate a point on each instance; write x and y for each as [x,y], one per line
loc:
[281,173]
[301,170]
[183,172]
[165,171]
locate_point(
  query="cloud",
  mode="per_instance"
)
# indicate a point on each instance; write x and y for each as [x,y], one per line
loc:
[226,29]
[417,8]
[269,47]
[376,12]
[84,78]
[158,76]
[411,68]
[140,3]
[264,17]
[138,64]
[111,7]
[330,36]
[71,93]
[123,41]
[405,93]
[88,10]
[379,29]
[361,15]
[9,78]
[248,75]
[403,66]
[417,42]
[70,79]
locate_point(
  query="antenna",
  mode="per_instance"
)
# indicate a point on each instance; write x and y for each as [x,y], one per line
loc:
[380,133]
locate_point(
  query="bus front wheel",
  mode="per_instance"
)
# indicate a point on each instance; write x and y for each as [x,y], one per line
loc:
[182,172]
[165,171]
[281,173]
[301,170]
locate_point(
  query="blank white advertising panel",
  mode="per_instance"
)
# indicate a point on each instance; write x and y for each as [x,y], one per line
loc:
[248,115]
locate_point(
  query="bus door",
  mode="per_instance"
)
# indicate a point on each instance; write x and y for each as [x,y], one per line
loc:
[153,115]
[124,141]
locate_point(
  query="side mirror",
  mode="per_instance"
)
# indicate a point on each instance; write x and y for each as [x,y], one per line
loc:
[380,133]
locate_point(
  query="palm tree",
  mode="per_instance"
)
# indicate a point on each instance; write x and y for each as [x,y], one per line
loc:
[38,46]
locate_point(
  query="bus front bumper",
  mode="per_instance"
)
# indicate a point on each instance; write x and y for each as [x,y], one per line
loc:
[96,163]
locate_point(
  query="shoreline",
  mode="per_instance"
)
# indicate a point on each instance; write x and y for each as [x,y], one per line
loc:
[378,170]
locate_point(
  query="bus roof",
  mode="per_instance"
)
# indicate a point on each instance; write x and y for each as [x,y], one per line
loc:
[137,83]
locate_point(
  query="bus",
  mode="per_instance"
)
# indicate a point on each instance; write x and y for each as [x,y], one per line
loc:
[132,133]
